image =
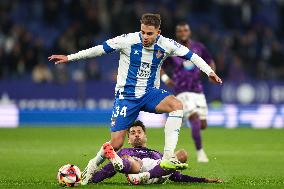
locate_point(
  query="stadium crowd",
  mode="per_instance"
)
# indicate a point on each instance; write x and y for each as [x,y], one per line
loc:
[245,37]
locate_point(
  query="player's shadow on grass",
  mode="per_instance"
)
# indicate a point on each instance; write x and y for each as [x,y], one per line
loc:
[168,184]
[127,185]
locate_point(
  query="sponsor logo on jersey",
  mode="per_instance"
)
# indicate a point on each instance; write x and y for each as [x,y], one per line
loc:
[144,70]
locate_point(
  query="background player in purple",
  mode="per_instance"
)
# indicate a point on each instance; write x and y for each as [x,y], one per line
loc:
[141,164]
[187,86]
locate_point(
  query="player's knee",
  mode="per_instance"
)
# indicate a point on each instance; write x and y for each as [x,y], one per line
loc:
[176,105]
[193,116]
[117,146]
[182,155]
[203,124]
[116,143]
[135,165]
[117,139]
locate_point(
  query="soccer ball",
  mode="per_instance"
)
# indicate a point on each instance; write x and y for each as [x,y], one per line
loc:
[69,175]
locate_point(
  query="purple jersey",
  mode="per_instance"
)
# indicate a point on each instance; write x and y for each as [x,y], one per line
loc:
[140,153]
[186,76]
[108,170]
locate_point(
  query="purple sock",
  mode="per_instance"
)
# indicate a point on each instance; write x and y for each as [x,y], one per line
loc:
[195,132]
[126,166]
[157,172]
[106,172]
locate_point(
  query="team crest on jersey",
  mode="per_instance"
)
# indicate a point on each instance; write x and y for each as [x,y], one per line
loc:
[159,54]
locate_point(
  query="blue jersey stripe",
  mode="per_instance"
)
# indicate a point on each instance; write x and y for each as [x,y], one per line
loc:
[107,48]
[187,56]
[135,62]
[158,55]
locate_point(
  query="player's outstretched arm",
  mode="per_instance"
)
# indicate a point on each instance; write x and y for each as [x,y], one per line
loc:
[178,177]
[106,47]
[84,54]
[202,65]
[213,180]
[57,59]
[184,52]
[215,78]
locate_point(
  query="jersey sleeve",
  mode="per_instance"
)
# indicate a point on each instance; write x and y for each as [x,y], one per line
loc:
[106,47]
[123,152]
[180,50]
[114,44]
[178,177]
[156,155]
[185,53]
[87,53]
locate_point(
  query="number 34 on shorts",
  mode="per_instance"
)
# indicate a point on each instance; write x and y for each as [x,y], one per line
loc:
[118,112]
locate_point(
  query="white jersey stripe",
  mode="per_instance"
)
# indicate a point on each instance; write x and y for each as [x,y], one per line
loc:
[135,63]
[144,71]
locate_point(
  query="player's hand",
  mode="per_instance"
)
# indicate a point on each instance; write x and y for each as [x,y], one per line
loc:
[214,180]
[214,78]
[58,59]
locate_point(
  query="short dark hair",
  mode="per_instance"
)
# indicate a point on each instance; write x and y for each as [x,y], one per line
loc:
[182,23]
[139,124]
[150,19]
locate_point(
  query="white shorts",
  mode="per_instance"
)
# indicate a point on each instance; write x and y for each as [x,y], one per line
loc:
[193,103]
[149,164]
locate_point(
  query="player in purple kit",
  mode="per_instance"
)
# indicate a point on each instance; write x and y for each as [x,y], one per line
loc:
[141,164]
[188,88]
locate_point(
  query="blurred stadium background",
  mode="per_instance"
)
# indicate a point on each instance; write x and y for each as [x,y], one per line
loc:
[245,38]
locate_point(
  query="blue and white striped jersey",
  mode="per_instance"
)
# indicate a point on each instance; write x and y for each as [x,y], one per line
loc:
[139,66]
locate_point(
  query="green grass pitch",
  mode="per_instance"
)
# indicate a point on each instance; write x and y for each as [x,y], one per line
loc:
[244,158]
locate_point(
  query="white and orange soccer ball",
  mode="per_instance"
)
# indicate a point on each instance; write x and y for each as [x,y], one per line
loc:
[69,175]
